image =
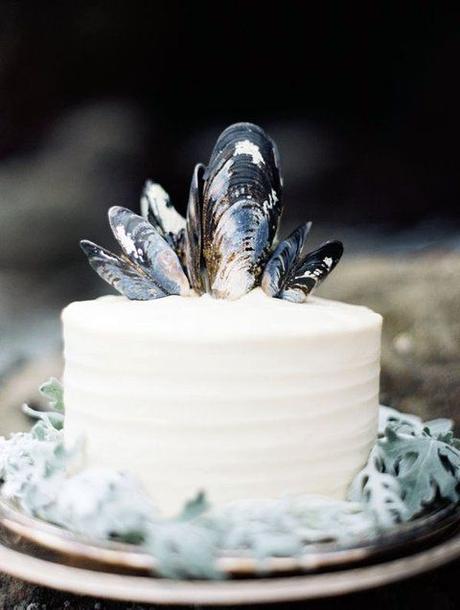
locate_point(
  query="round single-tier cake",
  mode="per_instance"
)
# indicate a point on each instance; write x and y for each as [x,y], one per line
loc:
[257,397]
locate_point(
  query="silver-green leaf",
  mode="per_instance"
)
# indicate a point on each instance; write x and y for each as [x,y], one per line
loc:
[54,392]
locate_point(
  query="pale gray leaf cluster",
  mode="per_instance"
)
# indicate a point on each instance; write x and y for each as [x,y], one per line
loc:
[412,466]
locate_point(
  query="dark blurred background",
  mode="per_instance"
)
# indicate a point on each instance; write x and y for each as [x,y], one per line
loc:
[362,99]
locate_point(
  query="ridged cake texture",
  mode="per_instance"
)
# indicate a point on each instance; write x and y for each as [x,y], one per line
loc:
[258,397]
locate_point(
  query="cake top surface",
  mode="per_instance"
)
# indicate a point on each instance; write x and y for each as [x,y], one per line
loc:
[254,315]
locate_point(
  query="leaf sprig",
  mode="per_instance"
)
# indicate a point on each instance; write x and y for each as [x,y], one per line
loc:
[412,466]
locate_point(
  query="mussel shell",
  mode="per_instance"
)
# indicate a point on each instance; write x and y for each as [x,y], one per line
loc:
[283,260]
[193,237]
[145,247]
[237,274]
[225,244]
[120,273]
[241,209]
[311,271]
[156,207]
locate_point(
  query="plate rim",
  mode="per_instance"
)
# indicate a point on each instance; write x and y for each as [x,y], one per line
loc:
[145,589]
[111,553]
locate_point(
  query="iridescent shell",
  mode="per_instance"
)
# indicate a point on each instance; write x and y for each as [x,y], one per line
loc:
[156,207]
[193,238]
[241,209]
[120,273]
[146,248]
[310,271]
[148,268]
[283,261]
[225,245]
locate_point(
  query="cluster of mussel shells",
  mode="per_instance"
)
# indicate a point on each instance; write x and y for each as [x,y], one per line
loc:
[226,244]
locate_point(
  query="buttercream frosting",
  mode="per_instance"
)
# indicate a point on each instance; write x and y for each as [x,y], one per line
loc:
[257,397]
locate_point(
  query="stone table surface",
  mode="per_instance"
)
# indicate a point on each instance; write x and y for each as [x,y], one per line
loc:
[419,298]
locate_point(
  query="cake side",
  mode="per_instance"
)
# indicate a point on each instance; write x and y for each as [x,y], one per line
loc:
[254,398]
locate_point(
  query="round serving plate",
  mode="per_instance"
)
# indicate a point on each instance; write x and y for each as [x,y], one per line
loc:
[248,591]
[20,531]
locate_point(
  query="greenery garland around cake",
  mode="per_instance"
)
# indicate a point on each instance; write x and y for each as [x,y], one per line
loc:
[413,467]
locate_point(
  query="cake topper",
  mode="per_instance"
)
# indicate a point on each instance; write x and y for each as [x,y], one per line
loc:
[226,244]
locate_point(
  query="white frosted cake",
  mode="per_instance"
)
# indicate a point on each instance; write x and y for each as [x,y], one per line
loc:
[257,397]
[217,370]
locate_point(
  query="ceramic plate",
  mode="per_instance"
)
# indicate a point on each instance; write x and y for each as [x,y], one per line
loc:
[20,531]
[143,589]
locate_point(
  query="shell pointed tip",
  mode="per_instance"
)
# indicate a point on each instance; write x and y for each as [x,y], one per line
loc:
[87,246]
[334,246]
[339,247]
[114,209]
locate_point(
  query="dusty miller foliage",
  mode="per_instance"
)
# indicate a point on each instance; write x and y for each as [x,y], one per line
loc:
[413,466]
